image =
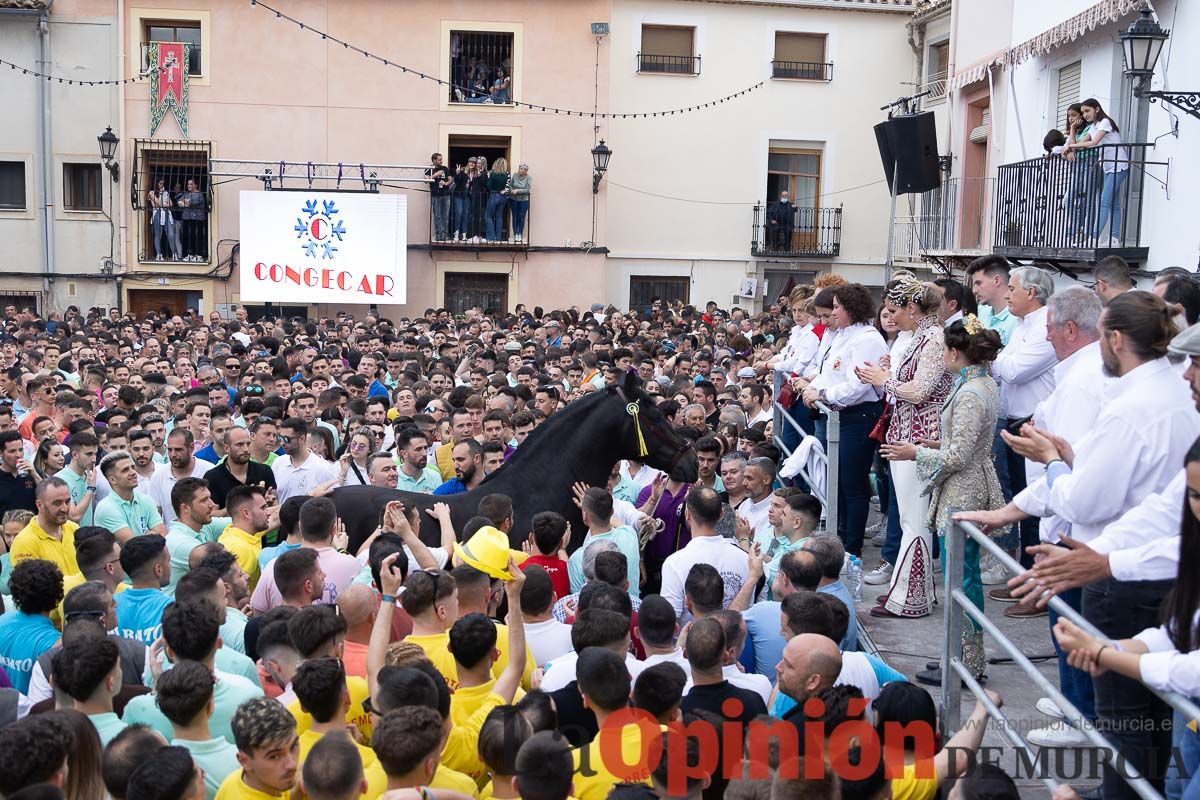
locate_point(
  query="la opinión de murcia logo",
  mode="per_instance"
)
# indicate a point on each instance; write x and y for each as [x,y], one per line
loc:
[319,230]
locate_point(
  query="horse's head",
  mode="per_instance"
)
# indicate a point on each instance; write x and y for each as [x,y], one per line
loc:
[649,437]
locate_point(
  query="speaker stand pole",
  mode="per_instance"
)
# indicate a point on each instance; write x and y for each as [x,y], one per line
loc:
[888,260]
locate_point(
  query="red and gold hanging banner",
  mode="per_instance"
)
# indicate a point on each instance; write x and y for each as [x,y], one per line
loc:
[169,83]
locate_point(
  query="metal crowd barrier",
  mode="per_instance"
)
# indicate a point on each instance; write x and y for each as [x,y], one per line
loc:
[833,438]
[953,668]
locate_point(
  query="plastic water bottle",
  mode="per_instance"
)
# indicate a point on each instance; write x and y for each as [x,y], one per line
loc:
[854,577]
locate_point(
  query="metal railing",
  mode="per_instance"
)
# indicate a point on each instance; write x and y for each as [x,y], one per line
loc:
[673,65]
[953,669]
[803,70]
[467,222]
[1051,204]
[481,67]
[833,439]
[796,231]
[950,217]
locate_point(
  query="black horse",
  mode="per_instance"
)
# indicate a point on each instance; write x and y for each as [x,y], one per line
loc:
[581,443]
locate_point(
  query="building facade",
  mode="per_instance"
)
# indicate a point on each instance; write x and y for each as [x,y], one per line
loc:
[687,209]
[1015,68]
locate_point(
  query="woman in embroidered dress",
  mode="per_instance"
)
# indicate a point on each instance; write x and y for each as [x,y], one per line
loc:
[917,387]
[959,468]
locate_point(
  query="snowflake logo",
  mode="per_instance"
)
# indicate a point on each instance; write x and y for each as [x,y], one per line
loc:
[319,230]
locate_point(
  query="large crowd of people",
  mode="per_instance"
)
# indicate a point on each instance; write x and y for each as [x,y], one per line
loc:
[184,617]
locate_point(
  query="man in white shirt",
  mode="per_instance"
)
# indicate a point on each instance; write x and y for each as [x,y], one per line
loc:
[658,625]
[752,398]
[548,638]
[181,463]
[954,298]
[299,471]
[1025,372]
[702,511]
[1070,411]
[1147,424]
[594,627]
[757,476]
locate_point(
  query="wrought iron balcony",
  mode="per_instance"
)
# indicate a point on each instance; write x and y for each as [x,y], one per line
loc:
[796,231]
[671,65]
[1079,209]
[466,225]
[802,70]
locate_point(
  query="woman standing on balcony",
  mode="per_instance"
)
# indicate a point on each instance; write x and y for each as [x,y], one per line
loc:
[917,388]
[1082,168]
[478,196]
[161,219]
[519,188]
[460,204]
[1114,162]
[959,467]
[497,186]
[857,344]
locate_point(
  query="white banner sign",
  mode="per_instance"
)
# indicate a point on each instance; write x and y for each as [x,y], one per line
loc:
[323,247]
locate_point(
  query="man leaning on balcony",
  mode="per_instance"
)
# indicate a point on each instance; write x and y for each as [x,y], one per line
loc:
[779,223]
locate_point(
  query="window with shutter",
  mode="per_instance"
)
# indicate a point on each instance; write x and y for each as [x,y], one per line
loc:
[1068,93]
[800,55]
[668,49]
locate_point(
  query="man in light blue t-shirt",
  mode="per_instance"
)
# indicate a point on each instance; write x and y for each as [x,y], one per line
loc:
[190,629]
[140,608]
[125,512]
[597,507]
[80,477]
[26,633]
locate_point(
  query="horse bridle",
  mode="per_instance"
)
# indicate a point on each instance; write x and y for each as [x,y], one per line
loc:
[633,408]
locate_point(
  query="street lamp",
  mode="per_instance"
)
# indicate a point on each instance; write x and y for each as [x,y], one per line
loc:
[1142,43]
[600,156]
[108,151]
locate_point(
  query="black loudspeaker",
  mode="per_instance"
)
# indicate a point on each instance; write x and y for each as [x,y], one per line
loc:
[908,148]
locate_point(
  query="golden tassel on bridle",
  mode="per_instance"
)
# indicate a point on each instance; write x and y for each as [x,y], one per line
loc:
[633,410]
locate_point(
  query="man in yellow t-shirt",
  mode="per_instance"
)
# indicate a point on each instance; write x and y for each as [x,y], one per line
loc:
[252,517]
[50,535]
[479,593]
[268,751]
[472,643]
[620,753]
[403,688]
[431,599]
[408,742]
[320,687]
[318,632]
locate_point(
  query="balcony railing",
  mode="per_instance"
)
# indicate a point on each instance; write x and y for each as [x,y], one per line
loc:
[466,222]
[802,70]
[1080,209]
[949,219]
[796,231]
[672,65]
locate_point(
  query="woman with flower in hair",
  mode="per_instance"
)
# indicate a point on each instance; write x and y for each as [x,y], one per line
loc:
[959,467]
[917,386]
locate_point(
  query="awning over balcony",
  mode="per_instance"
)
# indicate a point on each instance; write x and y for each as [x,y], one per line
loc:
[1103,13]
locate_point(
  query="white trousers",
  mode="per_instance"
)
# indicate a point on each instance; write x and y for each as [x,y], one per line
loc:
[912,502]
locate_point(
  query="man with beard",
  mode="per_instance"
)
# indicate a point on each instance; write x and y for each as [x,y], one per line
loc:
[182,464]
[299,470]
[238,469]
[195,525]
[141,450]
[468,468]
[415,473]
[1135,447]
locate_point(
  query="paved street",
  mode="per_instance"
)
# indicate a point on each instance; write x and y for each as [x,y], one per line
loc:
[909,644]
